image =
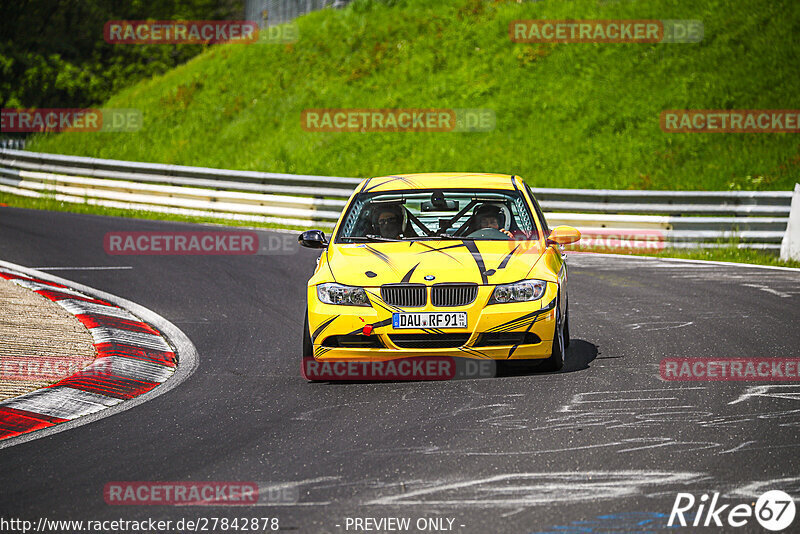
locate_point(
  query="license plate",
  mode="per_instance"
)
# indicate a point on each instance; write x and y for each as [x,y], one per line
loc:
[429,320]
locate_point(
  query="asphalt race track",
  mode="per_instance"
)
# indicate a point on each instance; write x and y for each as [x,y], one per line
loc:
[605,442]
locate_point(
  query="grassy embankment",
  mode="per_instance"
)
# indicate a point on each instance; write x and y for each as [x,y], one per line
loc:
[568,115]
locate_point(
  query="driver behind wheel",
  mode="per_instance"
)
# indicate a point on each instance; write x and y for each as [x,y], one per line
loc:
[491,216]
[390,221]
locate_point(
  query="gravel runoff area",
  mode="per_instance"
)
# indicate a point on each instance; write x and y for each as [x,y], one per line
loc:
[40,342]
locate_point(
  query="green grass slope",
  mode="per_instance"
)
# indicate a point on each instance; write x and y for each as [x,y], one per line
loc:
[568,115]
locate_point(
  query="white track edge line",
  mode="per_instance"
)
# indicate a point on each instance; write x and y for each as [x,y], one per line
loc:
[686,260]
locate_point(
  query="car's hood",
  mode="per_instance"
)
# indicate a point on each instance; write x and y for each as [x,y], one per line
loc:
[482,262]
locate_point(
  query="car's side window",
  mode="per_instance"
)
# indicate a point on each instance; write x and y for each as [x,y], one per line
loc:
[538,209]
[520,217]
[355,223]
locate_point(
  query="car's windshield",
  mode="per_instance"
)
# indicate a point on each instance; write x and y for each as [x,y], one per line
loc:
[438,214]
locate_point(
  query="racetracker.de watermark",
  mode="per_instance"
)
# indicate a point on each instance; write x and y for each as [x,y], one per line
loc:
[180,31]
[198,243]
[42,369]
[730,369]
[619,240]
[197,493]
[730,120]
[197,32]
[398,120]
[606,31]
[70,120]
[414,368]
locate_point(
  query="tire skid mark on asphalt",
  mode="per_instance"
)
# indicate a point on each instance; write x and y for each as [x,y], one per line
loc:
[308,415]
[769,290]
[658,325]
[512,490]
[652,410]
[320,489]
[625,445]
[578,398]
[738,447]
[774,391]
[755,489]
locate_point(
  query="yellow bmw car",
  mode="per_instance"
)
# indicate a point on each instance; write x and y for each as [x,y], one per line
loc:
[439,265]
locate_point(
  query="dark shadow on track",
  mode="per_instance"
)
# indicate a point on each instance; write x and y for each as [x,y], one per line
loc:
[579,355]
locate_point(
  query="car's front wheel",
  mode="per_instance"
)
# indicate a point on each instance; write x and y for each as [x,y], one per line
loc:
[556,360]
[308,349]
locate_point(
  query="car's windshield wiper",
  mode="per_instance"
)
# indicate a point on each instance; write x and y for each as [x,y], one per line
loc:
[371,238]
[451,236]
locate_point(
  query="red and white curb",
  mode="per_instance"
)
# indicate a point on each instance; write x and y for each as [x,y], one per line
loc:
[133,358]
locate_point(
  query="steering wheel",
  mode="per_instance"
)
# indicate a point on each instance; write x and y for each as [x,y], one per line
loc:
[487,233]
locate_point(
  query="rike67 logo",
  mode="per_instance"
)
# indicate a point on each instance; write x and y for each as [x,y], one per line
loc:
[774,510]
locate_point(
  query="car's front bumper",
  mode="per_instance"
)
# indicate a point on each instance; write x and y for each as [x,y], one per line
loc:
[497,332]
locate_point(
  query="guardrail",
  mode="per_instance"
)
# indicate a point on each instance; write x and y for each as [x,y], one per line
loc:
[755,219]
[281,11]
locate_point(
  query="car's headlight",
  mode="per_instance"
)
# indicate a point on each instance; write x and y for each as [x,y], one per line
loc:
[524,291]
[345,295]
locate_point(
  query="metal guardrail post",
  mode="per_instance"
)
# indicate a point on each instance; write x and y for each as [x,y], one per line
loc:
[790,245]
[282,11]
[12,144]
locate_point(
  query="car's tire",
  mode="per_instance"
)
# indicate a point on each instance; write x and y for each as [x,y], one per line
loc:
[553,363]
[556,360]
[308,349]
[566,327]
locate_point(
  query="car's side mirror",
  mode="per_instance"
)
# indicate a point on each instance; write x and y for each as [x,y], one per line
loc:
[564,235]
[313,239]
